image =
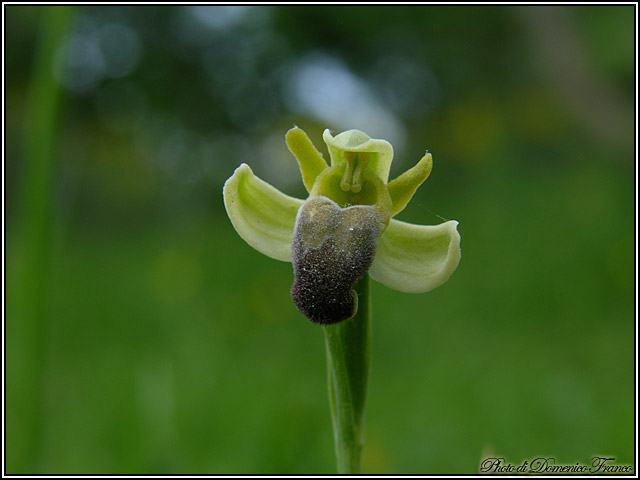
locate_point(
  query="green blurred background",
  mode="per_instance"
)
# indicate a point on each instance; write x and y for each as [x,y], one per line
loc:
[144,336]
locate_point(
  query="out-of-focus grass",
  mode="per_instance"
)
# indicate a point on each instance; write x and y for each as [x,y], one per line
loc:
[167,356]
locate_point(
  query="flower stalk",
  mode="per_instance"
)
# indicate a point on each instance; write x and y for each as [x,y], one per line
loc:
[349,362]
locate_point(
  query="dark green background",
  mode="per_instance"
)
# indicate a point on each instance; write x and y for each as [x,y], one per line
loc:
[144,336]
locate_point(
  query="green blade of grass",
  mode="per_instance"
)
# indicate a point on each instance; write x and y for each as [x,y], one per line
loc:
[27,327]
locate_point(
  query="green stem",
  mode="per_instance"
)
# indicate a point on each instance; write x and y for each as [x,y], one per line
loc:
[348,360]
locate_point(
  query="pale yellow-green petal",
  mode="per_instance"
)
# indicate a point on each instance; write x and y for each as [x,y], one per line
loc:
[403,187]
[262,215]
[357,141]
[309,159]
[416,258]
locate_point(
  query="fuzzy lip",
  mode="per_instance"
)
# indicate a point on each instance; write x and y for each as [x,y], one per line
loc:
[332,249]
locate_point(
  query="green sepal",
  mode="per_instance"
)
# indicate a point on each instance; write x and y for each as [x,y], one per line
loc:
[261,214]
[416,258]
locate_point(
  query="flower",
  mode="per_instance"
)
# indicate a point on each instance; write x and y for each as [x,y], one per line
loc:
[345,227]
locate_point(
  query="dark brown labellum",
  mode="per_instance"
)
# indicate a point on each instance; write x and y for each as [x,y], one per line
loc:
[333,248]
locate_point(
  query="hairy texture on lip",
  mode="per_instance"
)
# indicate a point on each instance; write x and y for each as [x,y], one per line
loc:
[332,249]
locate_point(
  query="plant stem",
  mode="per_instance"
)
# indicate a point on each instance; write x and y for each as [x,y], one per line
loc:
[348,361]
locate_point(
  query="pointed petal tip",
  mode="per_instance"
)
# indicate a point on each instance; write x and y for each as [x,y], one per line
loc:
[453,223]
[295,128]
[235,177]
[243,168]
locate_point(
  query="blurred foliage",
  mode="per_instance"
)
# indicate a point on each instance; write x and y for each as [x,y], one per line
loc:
[172,347]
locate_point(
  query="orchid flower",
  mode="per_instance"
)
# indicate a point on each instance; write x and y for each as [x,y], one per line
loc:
[345,228]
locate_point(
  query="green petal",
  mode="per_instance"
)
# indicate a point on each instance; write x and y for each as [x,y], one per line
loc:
[403,187]
[357,141]
[309,159]
[262,215]
[416,258]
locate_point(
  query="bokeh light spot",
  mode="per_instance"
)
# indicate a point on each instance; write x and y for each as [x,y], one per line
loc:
[323,87]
